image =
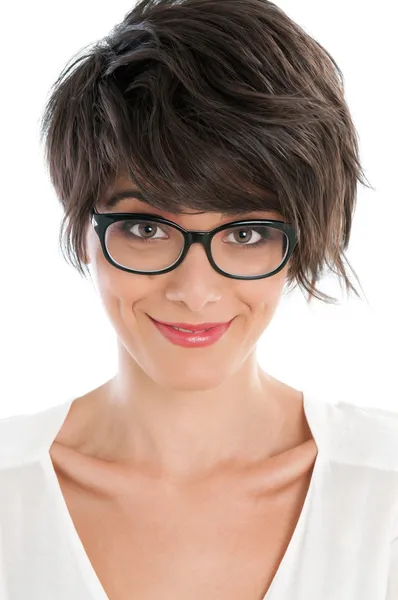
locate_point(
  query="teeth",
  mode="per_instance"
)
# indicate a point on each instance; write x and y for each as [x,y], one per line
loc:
[188,330]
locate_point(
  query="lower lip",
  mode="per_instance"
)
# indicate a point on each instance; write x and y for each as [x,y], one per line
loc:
[197,339]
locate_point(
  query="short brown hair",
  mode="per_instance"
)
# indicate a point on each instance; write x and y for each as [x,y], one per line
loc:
[219,106]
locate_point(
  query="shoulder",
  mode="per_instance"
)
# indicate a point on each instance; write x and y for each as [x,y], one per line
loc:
[26,437]
[352,433]
[360,447]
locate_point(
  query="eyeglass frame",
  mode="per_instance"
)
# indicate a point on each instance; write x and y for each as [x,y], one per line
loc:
[104,220]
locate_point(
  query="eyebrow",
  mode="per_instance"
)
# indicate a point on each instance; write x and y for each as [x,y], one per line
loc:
[113,200]
[116,198]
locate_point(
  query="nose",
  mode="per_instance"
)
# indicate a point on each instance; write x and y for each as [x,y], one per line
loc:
[194,282]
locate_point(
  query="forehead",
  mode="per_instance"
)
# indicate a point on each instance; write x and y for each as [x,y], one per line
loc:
[126,197]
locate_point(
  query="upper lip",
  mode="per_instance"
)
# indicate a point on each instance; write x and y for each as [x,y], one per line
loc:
[191,326]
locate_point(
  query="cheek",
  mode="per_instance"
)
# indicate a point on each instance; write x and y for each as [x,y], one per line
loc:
[263,294]
[117,287]
[261,298]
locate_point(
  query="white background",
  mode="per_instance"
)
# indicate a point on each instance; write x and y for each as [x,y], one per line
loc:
[56,341]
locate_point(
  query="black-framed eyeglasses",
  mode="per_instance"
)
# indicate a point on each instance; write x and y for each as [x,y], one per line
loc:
[150,245]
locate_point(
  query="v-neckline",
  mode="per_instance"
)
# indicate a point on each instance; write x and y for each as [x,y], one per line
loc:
[83,562]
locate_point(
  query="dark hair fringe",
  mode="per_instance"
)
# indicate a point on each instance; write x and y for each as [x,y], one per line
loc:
[222,107]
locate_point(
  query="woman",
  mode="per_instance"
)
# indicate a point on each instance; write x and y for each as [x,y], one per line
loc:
[205,158]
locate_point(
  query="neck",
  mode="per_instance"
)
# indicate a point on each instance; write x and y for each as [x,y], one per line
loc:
[184,434]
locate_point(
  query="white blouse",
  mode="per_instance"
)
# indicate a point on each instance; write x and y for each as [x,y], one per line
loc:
[344,547]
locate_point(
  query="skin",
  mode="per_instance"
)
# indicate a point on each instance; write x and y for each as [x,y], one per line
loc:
[185,453]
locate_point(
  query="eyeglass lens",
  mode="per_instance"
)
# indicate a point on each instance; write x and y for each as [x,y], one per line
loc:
[242,250]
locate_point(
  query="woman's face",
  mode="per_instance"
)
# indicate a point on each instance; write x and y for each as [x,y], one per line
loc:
[192,293]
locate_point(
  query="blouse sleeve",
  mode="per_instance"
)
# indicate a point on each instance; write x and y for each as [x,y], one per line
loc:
[392,588]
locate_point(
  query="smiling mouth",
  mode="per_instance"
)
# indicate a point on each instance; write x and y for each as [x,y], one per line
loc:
[189,335]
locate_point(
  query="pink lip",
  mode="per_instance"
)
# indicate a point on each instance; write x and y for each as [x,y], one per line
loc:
[198,339]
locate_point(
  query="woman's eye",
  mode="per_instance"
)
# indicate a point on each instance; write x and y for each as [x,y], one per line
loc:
[244,236]
[147,231]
